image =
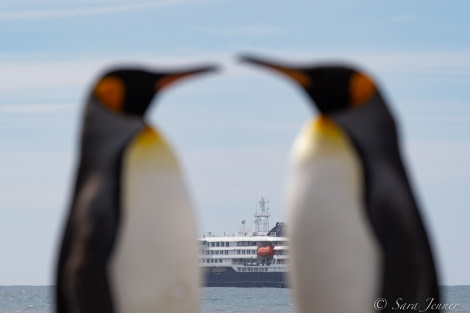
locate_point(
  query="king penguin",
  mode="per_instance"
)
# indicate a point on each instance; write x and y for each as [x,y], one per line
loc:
[129,244]
[357,241]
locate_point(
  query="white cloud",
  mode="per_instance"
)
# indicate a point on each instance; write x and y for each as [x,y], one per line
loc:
[439,161]
[40,71]
[35,179]
[81,11]
[454,62]
[35,108]
[37,71]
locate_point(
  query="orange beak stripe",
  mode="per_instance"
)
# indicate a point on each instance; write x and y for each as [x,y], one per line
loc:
[170,79]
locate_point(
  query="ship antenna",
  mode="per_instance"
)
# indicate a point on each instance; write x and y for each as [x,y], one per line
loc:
[262,217]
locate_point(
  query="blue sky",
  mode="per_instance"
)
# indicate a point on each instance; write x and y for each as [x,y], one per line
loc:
[233,131]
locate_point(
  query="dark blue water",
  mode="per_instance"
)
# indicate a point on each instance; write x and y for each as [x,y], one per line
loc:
[22,299]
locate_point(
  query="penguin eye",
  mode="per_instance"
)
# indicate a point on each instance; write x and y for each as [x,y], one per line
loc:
[361,89]
[110,92]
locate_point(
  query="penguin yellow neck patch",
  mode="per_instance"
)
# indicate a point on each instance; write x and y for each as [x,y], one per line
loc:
[149,148]
[320,138]
[326,127]
[148,136]
[361,89]
[110,92]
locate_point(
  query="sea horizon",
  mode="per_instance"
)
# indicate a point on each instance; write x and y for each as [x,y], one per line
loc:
[41,299]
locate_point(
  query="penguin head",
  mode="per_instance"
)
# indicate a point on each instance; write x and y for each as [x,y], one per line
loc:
[333,88]
[130,91]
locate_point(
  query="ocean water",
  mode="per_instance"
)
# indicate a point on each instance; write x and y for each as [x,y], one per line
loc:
[32,299]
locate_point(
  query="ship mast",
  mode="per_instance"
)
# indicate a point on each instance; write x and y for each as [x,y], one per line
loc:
[262,218]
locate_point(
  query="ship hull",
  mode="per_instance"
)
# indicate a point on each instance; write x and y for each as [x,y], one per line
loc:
[228,277]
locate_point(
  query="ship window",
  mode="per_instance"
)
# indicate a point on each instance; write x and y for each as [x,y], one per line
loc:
[227,244]
[217,244]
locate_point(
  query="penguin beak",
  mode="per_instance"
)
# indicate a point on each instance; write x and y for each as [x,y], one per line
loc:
[297,75]
[168,79]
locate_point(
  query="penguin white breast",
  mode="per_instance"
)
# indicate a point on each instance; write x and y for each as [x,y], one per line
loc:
[154,267]
[335,258]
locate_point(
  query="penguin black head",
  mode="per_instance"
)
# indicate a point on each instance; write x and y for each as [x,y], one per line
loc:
[333,88]
[130,91]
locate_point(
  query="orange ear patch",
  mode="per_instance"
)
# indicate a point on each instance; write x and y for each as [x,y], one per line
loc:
[110,92]
[361,89]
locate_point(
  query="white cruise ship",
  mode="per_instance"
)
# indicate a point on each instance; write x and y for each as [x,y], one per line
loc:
[246,259]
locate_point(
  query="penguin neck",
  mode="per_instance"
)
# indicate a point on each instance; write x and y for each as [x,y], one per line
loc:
[372,130]
[104,133]
[320,138]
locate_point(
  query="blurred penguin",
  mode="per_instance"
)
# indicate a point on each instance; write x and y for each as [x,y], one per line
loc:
[120,250]
[357,240]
